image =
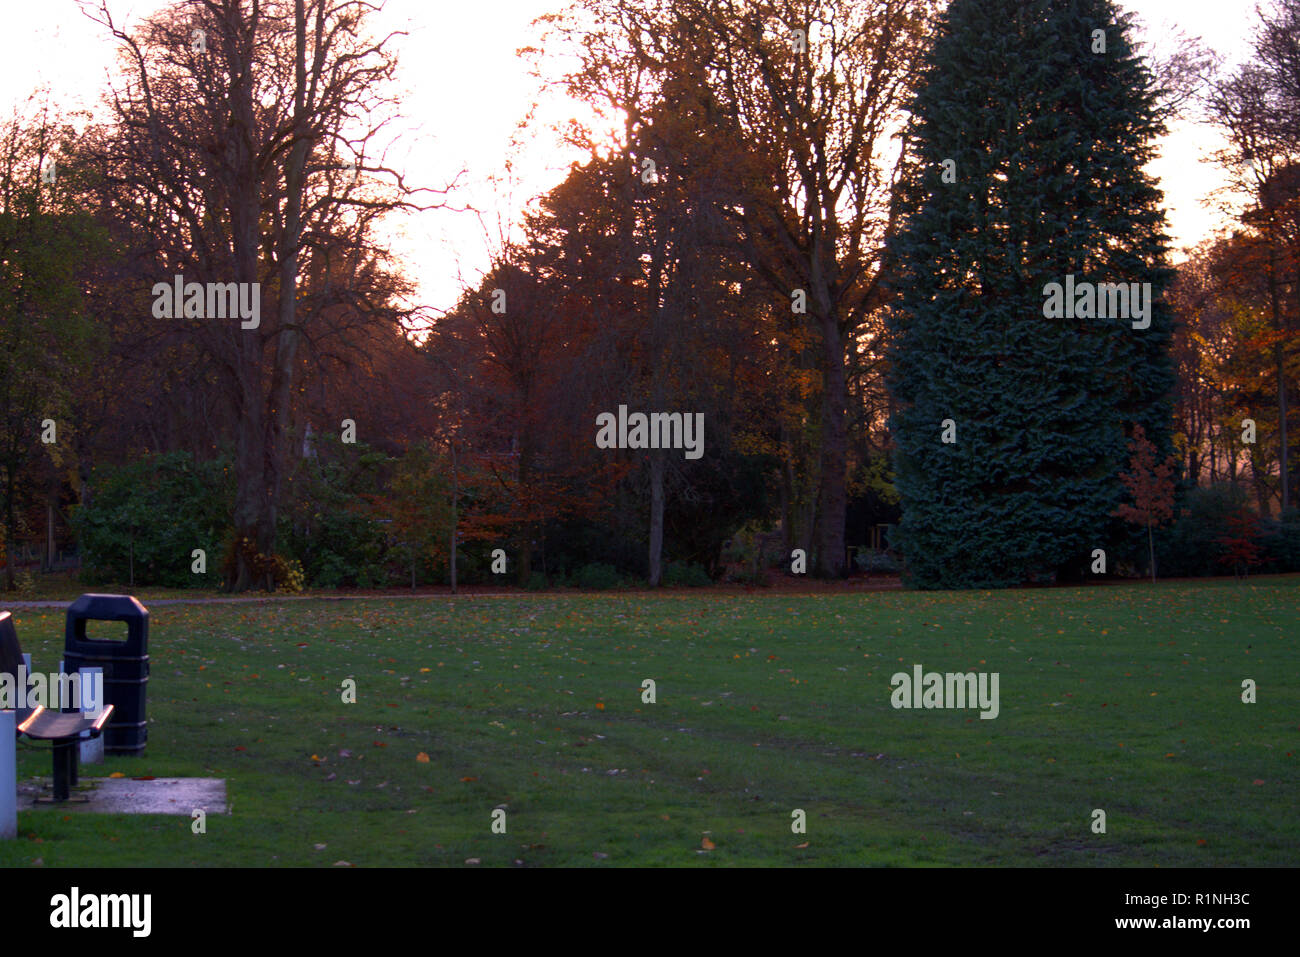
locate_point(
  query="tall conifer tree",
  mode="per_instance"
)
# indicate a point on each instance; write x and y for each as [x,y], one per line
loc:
[1027,144]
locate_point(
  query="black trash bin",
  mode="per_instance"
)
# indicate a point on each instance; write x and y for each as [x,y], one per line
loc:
[125,664]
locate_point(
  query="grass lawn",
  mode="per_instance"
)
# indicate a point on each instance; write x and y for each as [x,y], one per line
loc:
[1125,698]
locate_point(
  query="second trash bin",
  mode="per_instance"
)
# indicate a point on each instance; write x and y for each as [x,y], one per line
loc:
[125,664]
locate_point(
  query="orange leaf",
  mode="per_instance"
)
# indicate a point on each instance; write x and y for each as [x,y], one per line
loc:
[707,844]
[422,758]
[468,779]
[600,706]
[117,774]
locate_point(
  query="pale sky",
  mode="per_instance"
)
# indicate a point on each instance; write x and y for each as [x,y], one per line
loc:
[466,91]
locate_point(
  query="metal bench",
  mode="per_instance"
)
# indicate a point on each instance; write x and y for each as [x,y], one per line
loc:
[65,728]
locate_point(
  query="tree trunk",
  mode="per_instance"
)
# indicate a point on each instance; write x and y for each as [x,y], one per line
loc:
[455,493]
[833,497]
[528,532]
[1261,490]
[1151,551]
[251,499]
[656,518]
[47,563]
[1284,456]
[254,514]
[10,557]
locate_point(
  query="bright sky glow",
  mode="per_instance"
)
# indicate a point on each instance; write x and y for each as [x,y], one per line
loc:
[466,91]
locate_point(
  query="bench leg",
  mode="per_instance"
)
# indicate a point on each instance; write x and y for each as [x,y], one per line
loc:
[64,769]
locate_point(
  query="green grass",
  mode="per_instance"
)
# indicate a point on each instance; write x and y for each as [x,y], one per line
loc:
[1124,698]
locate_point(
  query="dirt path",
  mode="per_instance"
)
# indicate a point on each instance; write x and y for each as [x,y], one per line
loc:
[780,587]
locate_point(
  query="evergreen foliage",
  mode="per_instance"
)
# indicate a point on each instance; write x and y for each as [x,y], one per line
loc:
[1049,140]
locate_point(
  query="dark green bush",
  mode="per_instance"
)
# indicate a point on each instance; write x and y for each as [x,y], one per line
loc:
[151,514]
[689,574]
[597,576]
[1191,546]
[1280,539]
[329,522]
[876,562]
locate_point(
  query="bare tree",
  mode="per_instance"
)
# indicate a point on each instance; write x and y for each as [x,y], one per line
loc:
[246,134]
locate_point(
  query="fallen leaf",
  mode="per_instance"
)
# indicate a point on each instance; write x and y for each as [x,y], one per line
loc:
[799,847]
[467,780]
[117,774]
[707,844]
[422,758]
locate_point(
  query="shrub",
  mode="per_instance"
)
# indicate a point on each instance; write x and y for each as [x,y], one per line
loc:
[689,574]
[1281,541]
[1241,543]
[876,562]
[289,575]
[25,583]
[372,576]
[597,576]
[286,574]
[150,515]
[330,571]
[1192,546]
[330,523]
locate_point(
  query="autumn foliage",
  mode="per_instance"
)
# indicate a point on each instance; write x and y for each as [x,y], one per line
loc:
[1151,486]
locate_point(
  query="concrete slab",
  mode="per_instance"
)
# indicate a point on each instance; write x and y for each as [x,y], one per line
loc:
[130,796]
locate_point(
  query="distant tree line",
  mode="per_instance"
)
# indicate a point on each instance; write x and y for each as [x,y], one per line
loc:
[825,227]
